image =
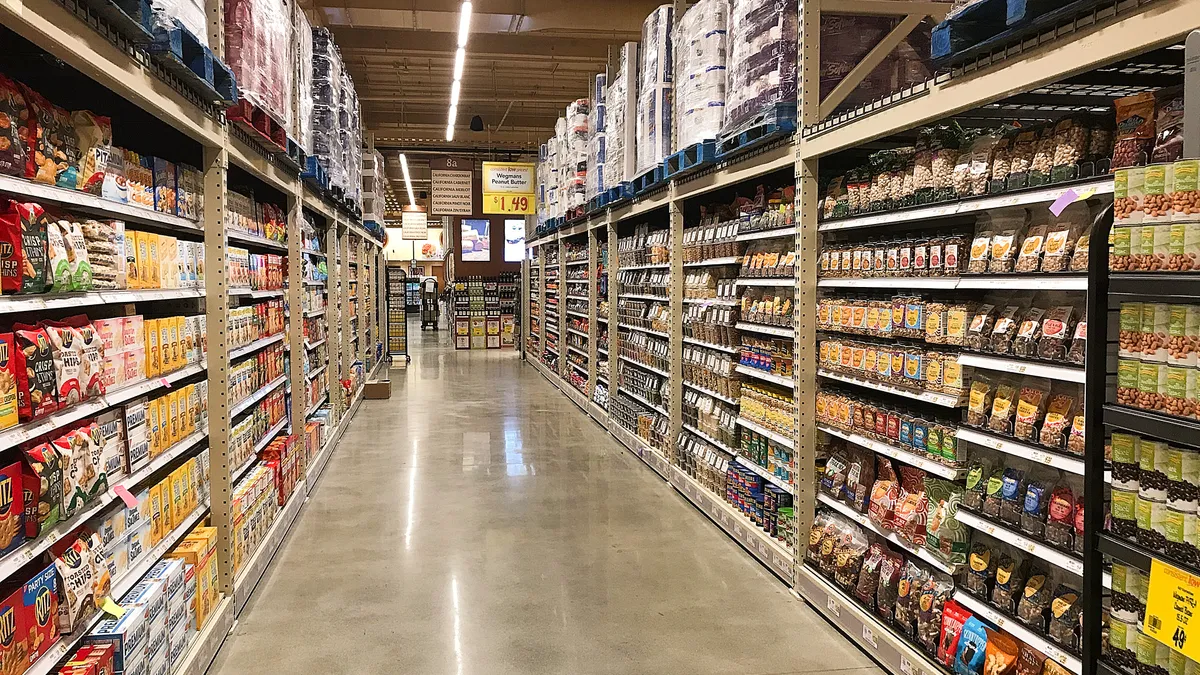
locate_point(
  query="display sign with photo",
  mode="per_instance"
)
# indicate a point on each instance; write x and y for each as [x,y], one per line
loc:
[476,240]
[514,240]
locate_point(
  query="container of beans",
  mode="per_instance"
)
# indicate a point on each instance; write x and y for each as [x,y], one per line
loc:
[1126,471]
[1184,247]
[1159,186]
[1129,195]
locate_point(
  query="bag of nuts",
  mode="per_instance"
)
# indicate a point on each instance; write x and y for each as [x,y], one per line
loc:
[980,328]
[1079,259]
[1168,125]
[981,248]
[1056,329]
[1043,157]
[1001,162]
[1025,342]
[1009,230]
[1077,354]
[1134,130]
[980,165]
[944,144]
[1030,257]
[1070,144]
[1062,235]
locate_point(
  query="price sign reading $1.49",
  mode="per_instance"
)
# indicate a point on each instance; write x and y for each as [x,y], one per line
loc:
[503,203]
[1172,604]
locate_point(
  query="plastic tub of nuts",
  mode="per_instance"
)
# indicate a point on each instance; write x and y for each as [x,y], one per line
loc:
[1183,335]
[1160,184]
[1127,381]
[1129,195]
[1185,195]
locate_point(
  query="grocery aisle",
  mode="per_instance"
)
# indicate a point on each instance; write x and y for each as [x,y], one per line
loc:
[478,522]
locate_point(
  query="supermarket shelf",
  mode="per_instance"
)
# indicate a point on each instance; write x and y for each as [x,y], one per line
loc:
[577,367]
[34,303]
[577,350]
[1027,282]
[639,364]
[1174,429]
[1003,533]
[314,282]
[309,251]
[767,377]
[927,465]
[1064,373]
[314,345]
[602,351]
[709,392]
[255,346]
[1137,555]
[766,330]
[638,397]
[17,559]
[768,234]
[637,446]
[710,439]
[760,545]
[768,281]
[712,345]
[14,436]
[571,312]
[208,641]
[249,293]
[253,570]
[88,203]
[927,396]
[865,522]
[1138,29]
[876,638]
[1018,449]
[1101,186]
[257,396]
[577,332]
[598,413]
[315,372]
[640,206]
[578,281]
[765,474]
[1155,285]
[255,240]
[724,302]
[551,350]
[572,263]
[640,296]
[578,297]
[779,438]
[774,157]
[649,266]
[648,331]
[1019,631]
[314,314]
[728,260]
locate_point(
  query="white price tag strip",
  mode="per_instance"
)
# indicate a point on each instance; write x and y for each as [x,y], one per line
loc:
[833,606]
[869,636]
[906,666]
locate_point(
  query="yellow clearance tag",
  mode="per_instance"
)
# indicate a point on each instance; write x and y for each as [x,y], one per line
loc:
[1171,609]
[113,608]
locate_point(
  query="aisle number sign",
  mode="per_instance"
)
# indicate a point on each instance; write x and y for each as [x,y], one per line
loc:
[508,188]
[1173,609]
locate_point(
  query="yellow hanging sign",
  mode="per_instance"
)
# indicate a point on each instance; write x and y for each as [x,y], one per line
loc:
[1173,609]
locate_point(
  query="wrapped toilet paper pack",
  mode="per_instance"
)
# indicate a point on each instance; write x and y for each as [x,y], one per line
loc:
[655,89]
[620,104]
[762,60]
[700,44]
[597,138]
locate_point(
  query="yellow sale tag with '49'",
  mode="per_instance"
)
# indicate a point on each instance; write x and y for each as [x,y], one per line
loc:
[1173,609]
[504,203]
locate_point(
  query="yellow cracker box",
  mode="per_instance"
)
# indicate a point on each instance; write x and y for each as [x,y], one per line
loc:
[193,552]
[190,419]
[168,271]
[156,515]
[153,272]
[153,352]
[163,424]
[178,502]
[178,351]
[153,423]
[189,494]
[164,345]
[136,276]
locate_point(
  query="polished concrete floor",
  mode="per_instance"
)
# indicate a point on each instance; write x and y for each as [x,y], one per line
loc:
[479,523]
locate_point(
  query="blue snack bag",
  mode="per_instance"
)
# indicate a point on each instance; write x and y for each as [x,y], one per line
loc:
[972,643]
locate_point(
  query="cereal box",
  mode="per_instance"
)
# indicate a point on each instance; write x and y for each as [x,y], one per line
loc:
[166,186]
[8,382]
[127,636]
[194,552]
[153,267]
[39,600]
[13,630]
[153,351]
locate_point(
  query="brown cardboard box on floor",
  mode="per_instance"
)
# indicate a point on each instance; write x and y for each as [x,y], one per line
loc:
[376,390]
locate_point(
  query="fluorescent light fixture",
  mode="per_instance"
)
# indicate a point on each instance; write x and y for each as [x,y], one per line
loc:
[407,181]
[455,90]
[460,59]
[453,115]
[449,132]
[464,24]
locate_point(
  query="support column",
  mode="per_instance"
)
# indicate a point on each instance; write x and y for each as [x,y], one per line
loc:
[614,335]
[295,325]
[593,330]
[347,355]
[675,344]
[334,344]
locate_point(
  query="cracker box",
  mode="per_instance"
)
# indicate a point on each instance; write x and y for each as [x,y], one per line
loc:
[194,552]
[168,266]
[166,186]
[113,527]
[171,573]
[134,365]
[187,262]
[177,354]
[140,541]
[13,630]
[137,250]
[153,352]
[92,660]
[156,514]
[189,491]
[112,452]
[111,334]
[161,404]
[198,260]
[8,383]
[127,636]
[117,559]
[153,267]
[188,338]
[152,427]
[137,432]
[169,518]
[171,437]
[151,596]
[39,601]
[179,638]
[159,658]
[165,364]
[177,502]
[133,334]
[12,508]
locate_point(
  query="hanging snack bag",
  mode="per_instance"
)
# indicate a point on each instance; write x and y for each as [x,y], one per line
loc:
[1043,157]
[954,616]
[1012,496]
[1004,406]
[1029,662]
[1001,655]
[1005,330]
[972,647]
[1134,131]
[908,600]
[851,548]
[1030,257]
[1062,235]
[58,264]
[56,148]
[1010,579]
[42,484]
[35,372]
[821,527]
[1056,332]
[68,361]
[1064,617]
[1028,332]
[980,328]
[947,539]
[16,124]
[1059,413]
[977,474]
[1031,407]
[1070,146]
[890,569]
[994,497]
[931,606]
[981,248]
[1009,230]
[76,587]
[1079,259]
[1034,601]
[981,570]
[1168,125]
[979,401]
[868,578]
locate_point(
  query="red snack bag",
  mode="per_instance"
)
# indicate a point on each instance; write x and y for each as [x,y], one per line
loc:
[33,364]
[953,617]
[11,257]
[91,348]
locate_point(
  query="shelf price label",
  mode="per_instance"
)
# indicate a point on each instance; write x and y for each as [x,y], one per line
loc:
[508,204]
[508,188]
[1171,609]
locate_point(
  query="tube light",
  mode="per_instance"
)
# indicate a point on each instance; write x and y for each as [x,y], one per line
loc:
[453,115]
[412,200]
[460,59]
[455,90]
[464,24]
[449,132]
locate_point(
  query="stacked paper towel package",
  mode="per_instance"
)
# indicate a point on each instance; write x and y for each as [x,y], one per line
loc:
[337,136]
[258,44]
[620,107]
[655,89]
[574,179]
[700,43]
[597,138]
[762,59]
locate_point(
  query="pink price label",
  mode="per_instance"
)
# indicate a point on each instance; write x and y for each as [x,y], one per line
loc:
[123,492]
[1064,200]
[163,382]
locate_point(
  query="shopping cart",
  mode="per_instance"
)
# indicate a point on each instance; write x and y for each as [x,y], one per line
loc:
[429,304]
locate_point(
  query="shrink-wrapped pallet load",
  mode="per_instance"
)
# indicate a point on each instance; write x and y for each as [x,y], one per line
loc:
[597,138]
[762,62]
[655,90]
[304,82]
[621,104]
[576,163]
[258,49]
[700,43]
